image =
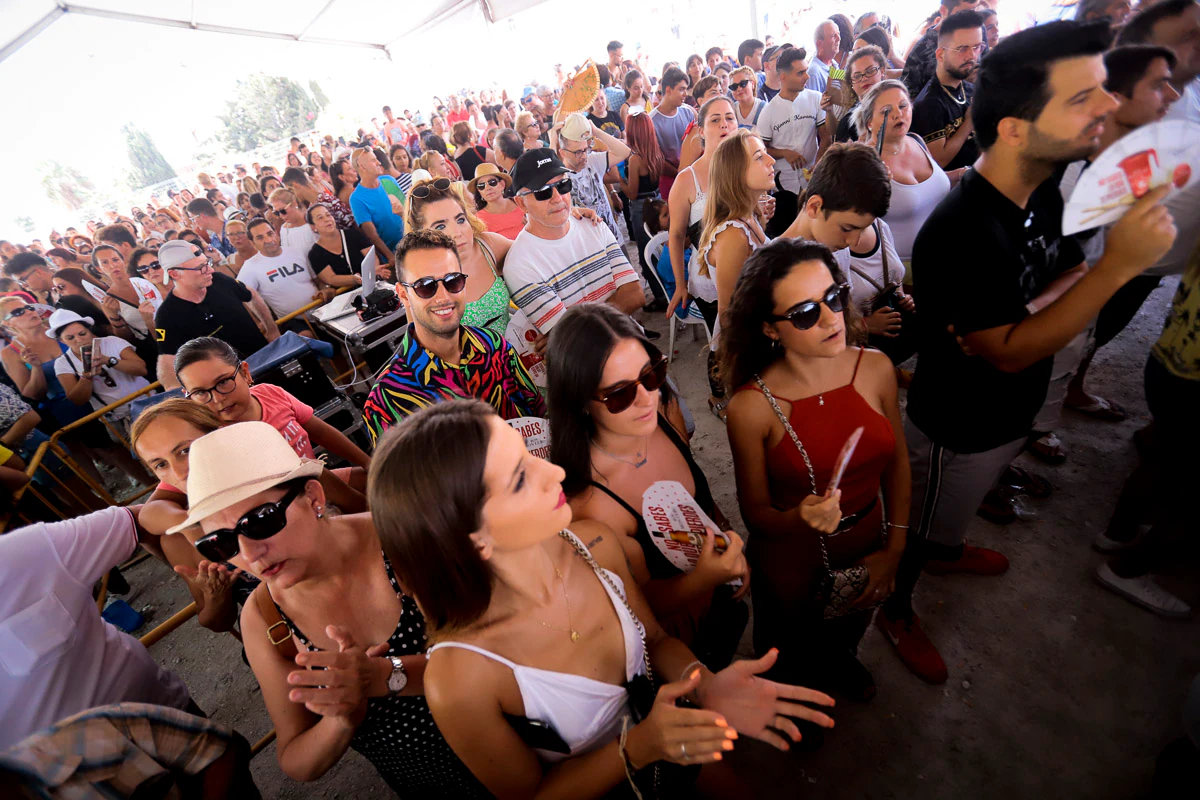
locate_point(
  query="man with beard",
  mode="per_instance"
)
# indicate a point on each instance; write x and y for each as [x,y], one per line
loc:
[941,113]
[1002,290]
[440,358]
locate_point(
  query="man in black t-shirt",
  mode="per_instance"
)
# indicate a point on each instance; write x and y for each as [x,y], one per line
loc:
[204,303]
[941,113]
[1001,292]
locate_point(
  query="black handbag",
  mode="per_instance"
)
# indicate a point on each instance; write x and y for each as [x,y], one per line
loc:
[887,295]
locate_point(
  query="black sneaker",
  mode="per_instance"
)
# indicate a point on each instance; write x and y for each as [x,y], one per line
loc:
[117,583]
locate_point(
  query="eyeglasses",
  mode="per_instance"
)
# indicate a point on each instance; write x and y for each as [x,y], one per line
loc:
[808,313]
[869,72]
[487,184]
[543,194]
[261,522]
[223,386]
[16,312]
[425,189]
[962,50]
[740,84]
[426,288]
[208,264]
[652,377]
[102,373]
[581,151]
[142,270]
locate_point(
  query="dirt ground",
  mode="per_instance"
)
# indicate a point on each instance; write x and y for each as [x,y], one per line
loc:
[1057,688]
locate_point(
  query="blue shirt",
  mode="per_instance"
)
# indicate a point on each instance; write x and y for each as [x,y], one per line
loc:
[373,205]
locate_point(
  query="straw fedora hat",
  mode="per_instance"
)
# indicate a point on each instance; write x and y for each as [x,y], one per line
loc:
[484,170]
[239,461]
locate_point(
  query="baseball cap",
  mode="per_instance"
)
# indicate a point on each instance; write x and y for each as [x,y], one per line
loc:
[176,252]
[536,168]
[528,90]
[576,127]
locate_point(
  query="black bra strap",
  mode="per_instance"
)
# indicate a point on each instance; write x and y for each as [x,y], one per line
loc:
[621,502]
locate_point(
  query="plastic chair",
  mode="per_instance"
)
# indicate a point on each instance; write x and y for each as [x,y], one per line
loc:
[653,251]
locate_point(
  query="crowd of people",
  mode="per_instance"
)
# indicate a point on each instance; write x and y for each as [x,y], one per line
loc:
[480,620]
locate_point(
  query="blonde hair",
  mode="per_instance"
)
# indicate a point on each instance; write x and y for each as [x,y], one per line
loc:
[747,71]
[862,116]
[414,222]
[524,120]
[202,418]
[282,194]
[5,302]
[426,159]
[728,196]
[250,185]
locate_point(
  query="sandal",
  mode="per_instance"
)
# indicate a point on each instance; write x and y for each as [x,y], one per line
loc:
[1047,447]
[1100,409]
[997,507]
[1026,482]
[717,407]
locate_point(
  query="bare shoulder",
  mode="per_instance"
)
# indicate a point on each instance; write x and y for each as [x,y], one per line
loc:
[602,541]
[878,372]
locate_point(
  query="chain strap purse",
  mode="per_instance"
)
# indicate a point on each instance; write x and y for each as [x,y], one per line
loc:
[841,587]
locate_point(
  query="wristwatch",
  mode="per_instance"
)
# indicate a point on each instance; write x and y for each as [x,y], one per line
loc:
[113,361]
[399,678]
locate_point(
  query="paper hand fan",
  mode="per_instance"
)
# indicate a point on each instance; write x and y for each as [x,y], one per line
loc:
[579,91]
[95,291]
[678,525]
[536,431]
[1161,153]
[843,460]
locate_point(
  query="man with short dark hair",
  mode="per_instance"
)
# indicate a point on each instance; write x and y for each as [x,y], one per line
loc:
[671,118]
[439,358]
[207,220]
[988,334]
[394,130]
[713,56]
[280,274]
[616,65]
[507,147]
[119,237]
[793,128]
[205,303]
[557,262]
[33,274]
[295,179]
[941,113]
[750,54]
[921,62]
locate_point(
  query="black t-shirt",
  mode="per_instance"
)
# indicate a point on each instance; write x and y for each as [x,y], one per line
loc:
[846,132]
[936,116]
[221,314]
[610,124]
[319,258]
[978,260]
[767,93]
[469,158]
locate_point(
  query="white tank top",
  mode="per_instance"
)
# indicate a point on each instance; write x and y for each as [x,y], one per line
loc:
[913,203]
[697,212]
[585,712]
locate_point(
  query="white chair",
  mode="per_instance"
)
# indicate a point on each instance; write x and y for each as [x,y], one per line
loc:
[654,249]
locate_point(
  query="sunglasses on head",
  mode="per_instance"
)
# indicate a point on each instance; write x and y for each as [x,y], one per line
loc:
[426,288]
[488,183]
[261,522]
[652,377]
[807,314]
[147,267]
[740,84]
[543,194]
[426,189]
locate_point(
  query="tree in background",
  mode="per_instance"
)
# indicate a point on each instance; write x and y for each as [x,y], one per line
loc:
[148,163]
[66,185]
[25,223]
[318,95]
[266,108]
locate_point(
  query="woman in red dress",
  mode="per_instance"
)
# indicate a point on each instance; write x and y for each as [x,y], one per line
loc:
[784,352]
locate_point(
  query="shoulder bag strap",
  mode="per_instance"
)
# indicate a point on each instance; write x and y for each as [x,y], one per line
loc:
[346,252]
[887,280]
[281,640]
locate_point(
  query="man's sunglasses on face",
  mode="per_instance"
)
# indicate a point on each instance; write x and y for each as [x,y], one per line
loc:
[543,194]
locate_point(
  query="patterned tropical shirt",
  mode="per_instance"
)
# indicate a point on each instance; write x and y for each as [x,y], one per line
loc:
[341,212]
[489,370]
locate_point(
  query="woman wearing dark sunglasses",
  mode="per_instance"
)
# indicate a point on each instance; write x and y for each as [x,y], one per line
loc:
[545,643]
[337,648]
[143,264]
[494,207]
[784,352]
[617,430]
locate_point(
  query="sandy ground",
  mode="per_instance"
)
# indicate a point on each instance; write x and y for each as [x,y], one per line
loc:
[1057,688]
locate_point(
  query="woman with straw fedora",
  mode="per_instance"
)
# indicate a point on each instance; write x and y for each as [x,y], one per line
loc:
[493,205]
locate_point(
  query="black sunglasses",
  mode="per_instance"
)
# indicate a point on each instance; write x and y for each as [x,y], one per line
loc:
[426,288]
[18,311]
[807,314]
[652,377]
[485,184]
[261,522]
[543,194]
[426,189]
[142,270]
[740,84]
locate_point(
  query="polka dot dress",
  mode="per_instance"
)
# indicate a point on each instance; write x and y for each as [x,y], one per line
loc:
[398,735]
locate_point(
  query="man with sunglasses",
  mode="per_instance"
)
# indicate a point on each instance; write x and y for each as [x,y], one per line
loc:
[941,113]
[205,303]
[557,262]
[440,358]
[33,274]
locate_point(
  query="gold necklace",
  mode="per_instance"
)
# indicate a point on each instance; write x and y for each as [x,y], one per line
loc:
[570,629]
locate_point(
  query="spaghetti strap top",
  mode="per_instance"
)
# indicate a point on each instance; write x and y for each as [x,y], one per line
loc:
[584,712]
[658,564]
[696,214]
[490,311]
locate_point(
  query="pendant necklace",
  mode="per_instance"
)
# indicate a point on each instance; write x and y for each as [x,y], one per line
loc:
[570,629]
[962,90]
[638,464]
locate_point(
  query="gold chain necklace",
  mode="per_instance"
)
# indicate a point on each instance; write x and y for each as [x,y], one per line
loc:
[570,629]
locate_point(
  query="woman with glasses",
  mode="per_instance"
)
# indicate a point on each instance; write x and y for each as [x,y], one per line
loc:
[823,555]
[617,431]
[143,264]
[530,130]
[438,205]
[747,105]
[350,674]
[918,182]
[495,209]
[867,68]
[545,644]
[337,255]
[210,373]
[402,163]
[243,248]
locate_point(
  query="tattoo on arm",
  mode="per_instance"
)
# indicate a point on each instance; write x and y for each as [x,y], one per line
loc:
[594,542]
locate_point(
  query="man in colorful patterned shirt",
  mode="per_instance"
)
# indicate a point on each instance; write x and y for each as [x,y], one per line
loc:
[440,358]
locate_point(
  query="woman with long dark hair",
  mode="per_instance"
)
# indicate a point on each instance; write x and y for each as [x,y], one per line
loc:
[823,556]
[344,180]
[614,449]
[544,642]
[636,95]
[402,163]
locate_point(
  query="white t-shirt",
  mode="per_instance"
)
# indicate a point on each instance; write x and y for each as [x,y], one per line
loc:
[862,290]
[103,348]
[132,316]
[300,239]
[1187,107]
[285,281]
[57,656]
[792,125]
